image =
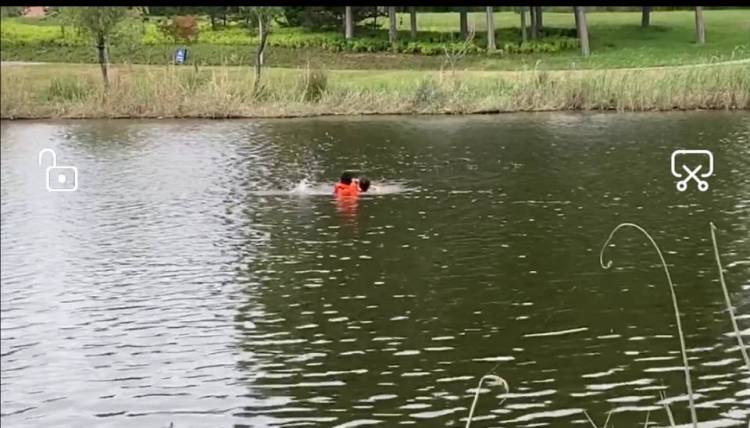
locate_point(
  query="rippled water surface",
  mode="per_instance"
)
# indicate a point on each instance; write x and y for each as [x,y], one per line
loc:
[203,276]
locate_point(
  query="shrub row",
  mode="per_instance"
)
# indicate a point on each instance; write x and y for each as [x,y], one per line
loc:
[16,34]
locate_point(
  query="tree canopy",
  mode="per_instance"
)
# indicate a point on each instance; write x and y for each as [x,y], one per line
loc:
[99,22]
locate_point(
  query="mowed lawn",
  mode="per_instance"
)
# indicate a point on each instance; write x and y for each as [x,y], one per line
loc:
[618,40]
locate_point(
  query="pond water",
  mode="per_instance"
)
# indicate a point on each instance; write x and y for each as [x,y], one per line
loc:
[202,275]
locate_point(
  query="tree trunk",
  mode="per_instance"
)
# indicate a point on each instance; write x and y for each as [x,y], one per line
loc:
[263,32]
[490,30]
[583,31]
[101,46]
[523,24]
[533,21]
[349,23]
[700,26]
[413,16]
[463,23]
[213,22]
[646,16]
[393,27]
[539,20]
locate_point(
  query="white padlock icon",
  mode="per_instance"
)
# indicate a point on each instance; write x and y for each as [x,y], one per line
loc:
[60,178]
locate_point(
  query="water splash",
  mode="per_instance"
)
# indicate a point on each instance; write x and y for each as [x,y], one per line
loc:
[307,188]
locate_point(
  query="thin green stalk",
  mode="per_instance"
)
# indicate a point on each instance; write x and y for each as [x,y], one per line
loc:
[676,308]
[593,424]
[496,380]
[667,409]
[726,299]
[591,421]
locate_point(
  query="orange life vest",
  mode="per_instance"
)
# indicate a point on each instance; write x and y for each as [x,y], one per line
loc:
[342,189]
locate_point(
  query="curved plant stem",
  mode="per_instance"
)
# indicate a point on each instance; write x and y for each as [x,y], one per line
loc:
[593,424]
[676,308]
[497,380]
[726,299]
[667,409]
[591,421]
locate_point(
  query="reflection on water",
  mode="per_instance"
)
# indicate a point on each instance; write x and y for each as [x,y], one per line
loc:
[203,275]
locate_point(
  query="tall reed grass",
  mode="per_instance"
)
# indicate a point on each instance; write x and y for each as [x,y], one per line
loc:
[492,380]
[681,336]
[727,300]
[675,306]
[222,92]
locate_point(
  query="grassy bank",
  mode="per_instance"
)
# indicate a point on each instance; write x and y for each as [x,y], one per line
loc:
[617,41]
[76,91]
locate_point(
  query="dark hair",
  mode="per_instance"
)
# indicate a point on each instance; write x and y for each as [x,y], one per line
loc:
[364,184]
[346,178]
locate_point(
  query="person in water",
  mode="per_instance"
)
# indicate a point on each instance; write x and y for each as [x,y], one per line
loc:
[364,184]
[346,186]
[349,186]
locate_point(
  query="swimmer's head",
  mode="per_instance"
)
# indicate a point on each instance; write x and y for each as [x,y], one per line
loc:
[346,178]
[364,184]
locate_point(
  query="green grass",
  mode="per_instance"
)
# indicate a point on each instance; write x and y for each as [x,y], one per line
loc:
[614,77]
[617,41]
[49,91]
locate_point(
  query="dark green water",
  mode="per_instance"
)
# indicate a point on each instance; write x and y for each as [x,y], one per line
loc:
[182,282]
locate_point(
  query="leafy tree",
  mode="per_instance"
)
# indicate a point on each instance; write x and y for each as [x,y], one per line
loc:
[264,17]
[62,15]
[324,17]
[6,11]
[129,39]
[314,18]
[99,22]
[214,12]
[169,10]
[181,28]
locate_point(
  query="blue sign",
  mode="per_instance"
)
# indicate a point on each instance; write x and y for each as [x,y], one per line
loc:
[180,56]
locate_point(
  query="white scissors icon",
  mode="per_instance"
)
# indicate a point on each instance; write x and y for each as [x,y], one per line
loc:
[692,174]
